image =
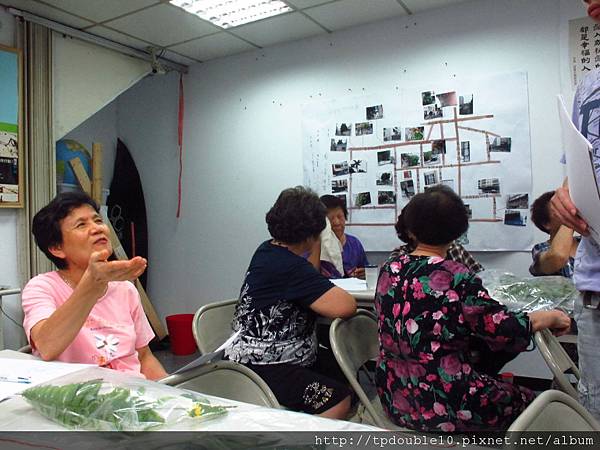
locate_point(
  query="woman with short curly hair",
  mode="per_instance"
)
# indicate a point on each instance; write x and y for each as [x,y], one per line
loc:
[279,301]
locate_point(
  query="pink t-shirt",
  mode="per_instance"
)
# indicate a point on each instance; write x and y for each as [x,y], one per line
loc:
[115,328]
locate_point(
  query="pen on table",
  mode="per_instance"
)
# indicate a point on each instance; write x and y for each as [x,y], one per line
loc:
[9,379]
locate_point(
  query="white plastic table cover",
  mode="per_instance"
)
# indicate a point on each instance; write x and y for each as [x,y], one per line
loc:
[17,415]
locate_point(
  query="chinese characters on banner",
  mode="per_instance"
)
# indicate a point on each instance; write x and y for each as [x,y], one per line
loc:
[584,47]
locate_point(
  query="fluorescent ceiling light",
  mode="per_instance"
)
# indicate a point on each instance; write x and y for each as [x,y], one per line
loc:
[231,13]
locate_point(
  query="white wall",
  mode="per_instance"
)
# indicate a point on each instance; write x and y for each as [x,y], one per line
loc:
[86,77]
[9,273]
[242,127]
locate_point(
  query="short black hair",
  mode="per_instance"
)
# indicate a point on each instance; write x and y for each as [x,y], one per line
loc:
[46,223]
[540,211]
[297,215]
[332,202]
[437,216]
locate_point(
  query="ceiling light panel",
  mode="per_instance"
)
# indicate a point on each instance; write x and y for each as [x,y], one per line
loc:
[231,13]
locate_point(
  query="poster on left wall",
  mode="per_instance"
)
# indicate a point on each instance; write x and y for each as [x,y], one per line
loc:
[11,149]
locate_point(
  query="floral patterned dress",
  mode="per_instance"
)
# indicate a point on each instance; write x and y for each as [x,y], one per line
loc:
[430,310]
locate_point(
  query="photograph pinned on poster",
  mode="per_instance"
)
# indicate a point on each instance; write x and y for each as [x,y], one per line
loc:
[407,174]
[489,186]
[515,217]
[449,183]
[386,198]
[362,199]
[428,97]
[339,185]
[358,166]
[384,178]
[447,99]
[432,112]
[363,128]
[431,178]
[375,112]
[517,201]
[343,129]
[407,187]
[414,133]
[438,147]
[409,160]
[8,145]
[465,104]
[465,151]
[430,158]
[392,134]
[501,144]
[338,145]
[384,157]
[342,197]
[339,169]
[469,210]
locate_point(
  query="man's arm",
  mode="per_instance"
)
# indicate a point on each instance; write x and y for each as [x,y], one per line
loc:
[557,256]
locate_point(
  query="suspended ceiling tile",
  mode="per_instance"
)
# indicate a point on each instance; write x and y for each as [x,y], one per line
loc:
[416,6]
[300,4]
[214,46]
[348,13]
[116,36]
[163,24]
[100,10]
[287,27]
[48,12]
[176,57]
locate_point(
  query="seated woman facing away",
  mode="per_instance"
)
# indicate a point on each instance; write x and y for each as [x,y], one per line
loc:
[556,256]
[432,312]
[86,311]
[280,299]
[354,257]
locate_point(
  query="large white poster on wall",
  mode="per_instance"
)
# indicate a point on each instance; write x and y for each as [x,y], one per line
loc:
[377,151]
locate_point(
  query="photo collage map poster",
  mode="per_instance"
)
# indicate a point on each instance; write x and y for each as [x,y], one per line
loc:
[375,152]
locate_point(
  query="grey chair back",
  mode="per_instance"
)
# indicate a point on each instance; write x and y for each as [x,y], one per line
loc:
[212,324]
[355,341]
[558,361]
[226,379]
[554,410]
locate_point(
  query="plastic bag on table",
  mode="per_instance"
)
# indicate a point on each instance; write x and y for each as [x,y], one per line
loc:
[106,400]
[530,293]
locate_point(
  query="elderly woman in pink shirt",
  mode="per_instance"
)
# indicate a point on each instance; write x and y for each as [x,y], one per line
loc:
[86,311]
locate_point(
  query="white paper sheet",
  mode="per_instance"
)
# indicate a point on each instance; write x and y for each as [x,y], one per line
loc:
[583,185]
[37,371]
[351,284]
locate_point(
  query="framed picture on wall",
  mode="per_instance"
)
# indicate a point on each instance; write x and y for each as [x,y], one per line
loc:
[11,144]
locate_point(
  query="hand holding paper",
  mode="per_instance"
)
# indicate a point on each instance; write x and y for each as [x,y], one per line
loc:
[565,210]
[581,197]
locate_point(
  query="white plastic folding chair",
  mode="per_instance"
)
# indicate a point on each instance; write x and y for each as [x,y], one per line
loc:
[558,361]
[355,341]
[555,411]
[226,379]
[212,324]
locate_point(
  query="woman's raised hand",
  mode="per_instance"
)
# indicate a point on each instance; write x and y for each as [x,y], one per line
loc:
[102,271]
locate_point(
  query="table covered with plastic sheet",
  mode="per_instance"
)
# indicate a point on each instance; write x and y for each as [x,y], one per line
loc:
[98,399]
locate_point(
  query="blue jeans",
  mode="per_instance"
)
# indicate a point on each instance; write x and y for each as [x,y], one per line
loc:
[588,343]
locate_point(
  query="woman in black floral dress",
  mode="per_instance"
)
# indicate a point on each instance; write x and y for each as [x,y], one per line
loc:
[432,311]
